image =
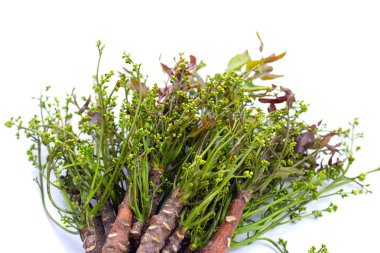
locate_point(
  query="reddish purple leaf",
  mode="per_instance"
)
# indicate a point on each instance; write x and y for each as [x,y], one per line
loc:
[276,100]
[272,108]
[305,141]
[289,95]
[326,139]
[330,162]
[138,87]
[164,92]
[332,149]
[95,117]
[85,106]
[167,70]
[288,98]
[193,62]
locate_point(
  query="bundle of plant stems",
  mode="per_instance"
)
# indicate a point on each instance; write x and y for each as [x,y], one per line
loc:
[193,165]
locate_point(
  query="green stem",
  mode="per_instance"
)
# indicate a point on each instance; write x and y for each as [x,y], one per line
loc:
[41,186]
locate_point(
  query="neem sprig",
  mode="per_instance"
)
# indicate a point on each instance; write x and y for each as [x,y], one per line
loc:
[191,165]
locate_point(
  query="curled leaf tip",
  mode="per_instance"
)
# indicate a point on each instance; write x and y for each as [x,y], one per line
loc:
[261,42]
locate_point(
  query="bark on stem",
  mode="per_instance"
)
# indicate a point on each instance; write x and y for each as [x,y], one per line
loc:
[222,238]
[136,230]
[94,236]
[135,235]
[108,216]
[117,239]
[161,226]
[174,243]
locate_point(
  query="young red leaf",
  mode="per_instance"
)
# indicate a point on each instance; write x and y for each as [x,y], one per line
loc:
[290,97]
[272,108]
[85,106]
[95,117]
[305,141]
[138,87]
[167,70]
[276,100]
[326,139]
[164,92]
[193,62]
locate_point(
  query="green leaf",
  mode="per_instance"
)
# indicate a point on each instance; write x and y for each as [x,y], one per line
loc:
[260,64]
[9,123]
[254,88]
[253,65]
[238,61]
[286,172]
[200,65]
[270,77]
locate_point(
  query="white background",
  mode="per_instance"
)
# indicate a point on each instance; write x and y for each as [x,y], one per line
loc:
[332,62]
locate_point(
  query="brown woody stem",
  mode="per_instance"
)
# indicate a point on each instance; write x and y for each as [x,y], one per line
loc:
[174,242]
[161,225]
[94,236]
[108,216]
[222,238]
[117,239]
[136,230]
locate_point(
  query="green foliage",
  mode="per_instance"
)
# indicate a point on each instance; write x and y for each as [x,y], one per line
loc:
[323,249]
[238,61]
[209,139]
